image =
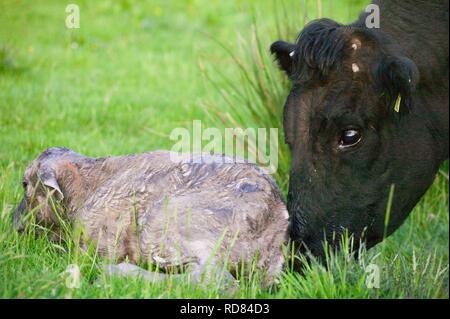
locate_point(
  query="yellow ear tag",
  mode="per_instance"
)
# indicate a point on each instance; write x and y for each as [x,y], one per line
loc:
[397,103]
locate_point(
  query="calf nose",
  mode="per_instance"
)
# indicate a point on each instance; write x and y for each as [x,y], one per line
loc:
[19,226]
[17,216]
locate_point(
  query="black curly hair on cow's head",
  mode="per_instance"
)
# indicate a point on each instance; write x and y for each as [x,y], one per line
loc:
[324,46]
[319,47]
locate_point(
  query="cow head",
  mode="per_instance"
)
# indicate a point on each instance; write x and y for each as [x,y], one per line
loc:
[353,129]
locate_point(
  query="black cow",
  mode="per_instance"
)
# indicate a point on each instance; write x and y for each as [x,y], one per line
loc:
[367,115]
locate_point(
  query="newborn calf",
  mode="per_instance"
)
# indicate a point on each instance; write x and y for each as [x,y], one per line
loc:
[171,213]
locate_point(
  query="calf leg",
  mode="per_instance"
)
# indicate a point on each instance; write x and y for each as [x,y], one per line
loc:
[198,274]
[127,269]
[214,274]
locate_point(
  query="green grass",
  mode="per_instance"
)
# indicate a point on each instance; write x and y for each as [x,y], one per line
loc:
[123,81]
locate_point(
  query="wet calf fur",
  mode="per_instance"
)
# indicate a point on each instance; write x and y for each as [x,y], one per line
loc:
[149,208]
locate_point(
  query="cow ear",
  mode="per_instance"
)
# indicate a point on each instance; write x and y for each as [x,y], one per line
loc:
[284,53]
[398,77]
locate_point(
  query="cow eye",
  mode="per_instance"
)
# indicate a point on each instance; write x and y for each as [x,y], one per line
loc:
[24,184]
[349,138]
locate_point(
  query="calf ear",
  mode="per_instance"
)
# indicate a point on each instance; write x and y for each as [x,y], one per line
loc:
[48,178]
[283,52]
[398,77]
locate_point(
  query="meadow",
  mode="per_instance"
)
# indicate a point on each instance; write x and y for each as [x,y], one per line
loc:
[130,74]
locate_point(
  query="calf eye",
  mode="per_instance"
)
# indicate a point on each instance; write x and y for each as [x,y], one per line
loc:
[349,138]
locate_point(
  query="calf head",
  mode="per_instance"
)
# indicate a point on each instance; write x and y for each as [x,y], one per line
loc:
[353,131]
[48,184]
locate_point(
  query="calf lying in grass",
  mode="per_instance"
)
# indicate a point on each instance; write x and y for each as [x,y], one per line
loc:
[152,209]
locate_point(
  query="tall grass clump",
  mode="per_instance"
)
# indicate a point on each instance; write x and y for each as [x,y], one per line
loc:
[255,98]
